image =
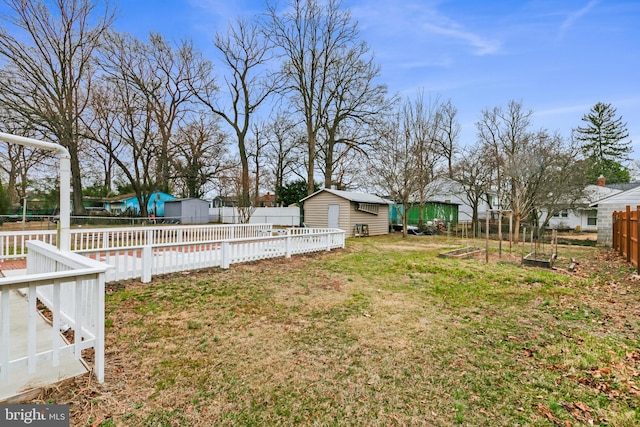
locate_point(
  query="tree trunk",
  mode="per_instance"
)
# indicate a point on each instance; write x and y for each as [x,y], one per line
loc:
[311,166]
[76,180]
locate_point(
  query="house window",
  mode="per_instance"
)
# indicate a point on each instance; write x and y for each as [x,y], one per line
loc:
[371,208]
[562,214]
[592,217]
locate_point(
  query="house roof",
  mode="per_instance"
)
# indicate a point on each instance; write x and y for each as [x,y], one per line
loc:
[629,197]
[185,199]
[353,196]
[129,196]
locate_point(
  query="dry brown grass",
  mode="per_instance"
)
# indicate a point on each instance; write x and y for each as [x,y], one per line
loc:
[381,333]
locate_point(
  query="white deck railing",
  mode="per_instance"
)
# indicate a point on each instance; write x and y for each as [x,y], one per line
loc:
[72,287]
[13,244]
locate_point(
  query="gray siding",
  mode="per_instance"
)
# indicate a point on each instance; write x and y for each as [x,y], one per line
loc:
[605,225]
[188,211]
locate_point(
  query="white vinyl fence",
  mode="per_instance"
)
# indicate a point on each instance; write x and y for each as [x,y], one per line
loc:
[286,217]
[142,252]
[13,243]
[145,261]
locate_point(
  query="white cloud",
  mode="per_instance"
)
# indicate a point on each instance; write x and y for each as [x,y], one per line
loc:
[483,46]
[573,17]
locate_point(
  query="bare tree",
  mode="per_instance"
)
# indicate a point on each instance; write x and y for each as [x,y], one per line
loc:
[201,154]
[168,93]
[18,161]
[245,53]
[47,74]
[449,133]
[120,111]
[423,127]
[316,38]
[534,171]
[283,151]
[354,103]
[563,177]
[506,135]
[473,172]
[392,161]
[257,144]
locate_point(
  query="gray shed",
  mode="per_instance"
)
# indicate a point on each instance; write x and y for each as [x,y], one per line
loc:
[606,207]
[355,213]
[187,211]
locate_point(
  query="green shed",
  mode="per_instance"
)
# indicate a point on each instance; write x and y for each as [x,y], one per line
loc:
[447,212]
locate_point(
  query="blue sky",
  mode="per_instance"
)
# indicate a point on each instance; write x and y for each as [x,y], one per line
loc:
[558,57]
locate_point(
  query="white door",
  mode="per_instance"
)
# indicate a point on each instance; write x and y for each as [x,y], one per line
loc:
[334,216]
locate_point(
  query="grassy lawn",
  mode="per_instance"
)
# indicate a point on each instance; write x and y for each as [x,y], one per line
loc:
[383,333]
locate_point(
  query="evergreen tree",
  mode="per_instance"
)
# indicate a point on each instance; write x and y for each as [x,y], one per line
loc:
[603,143]
[293,192]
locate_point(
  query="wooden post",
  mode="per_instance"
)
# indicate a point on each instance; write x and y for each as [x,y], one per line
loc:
[524,242]
[486,252]
[510,230]
[500,234]
[628,239]
[638,239]
[614,226]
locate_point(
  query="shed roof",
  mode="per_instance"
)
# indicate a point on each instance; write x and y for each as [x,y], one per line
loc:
[353,196]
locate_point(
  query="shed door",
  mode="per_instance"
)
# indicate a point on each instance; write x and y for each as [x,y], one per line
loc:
[334,216]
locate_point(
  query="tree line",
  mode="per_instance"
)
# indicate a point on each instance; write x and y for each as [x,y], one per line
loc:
[296,95]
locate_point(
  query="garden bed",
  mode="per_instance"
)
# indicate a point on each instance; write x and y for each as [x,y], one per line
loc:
[539,260]
[462,253]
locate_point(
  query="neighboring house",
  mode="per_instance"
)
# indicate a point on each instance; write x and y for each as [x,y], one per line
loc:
[348,211]
[224,202]
[187,211]
[606,207]
[267,201]
[583,217]
[129,203]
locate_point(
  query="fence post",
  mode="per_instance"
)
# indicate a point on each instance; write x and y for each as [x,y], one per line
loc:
[328,240]
[147,263]
[638,239]
[224,262]
[628,240]
[99,348]
[287,245]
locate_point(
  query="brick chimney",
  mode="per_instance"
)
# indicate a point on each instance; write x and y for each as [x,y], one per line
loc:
[602,181]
